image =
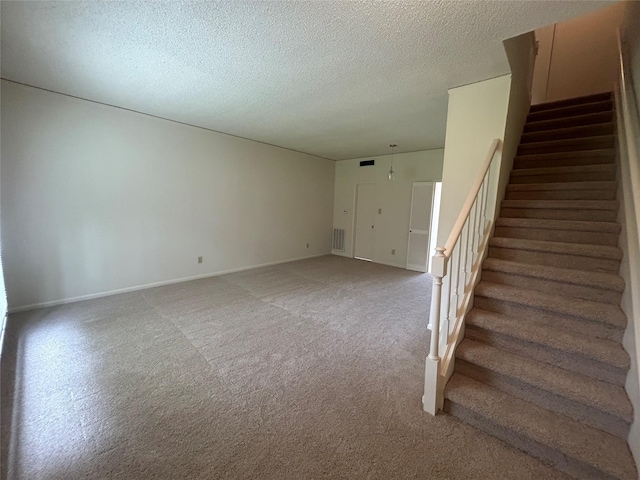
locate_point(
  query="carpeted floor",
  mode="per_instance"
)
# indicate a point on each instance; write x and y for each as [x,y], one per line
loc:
[311,369]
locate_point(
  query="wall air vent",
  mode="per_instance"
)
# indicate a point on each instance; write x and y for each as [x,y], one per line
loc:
[366,163]
[338,239]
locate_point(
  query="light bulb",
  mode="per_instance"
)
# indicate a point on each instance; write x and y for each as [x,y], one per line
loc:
[391,174]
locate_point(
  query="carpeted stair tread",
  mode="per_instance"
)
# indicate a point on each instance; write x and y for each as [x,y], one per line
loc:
[598,168]
[580,157]
[542,365]
[578,388]
[564,173]
[574,448]
[576,131]
[586,119]
[596,97]
[552,278]
[599,153]
[548,224]
[606,281]
[594,142]
[560,304]
[583,250]
[570,111]
[567,341]
[595,185]
[561,209]
[561,195]
[566,231]
[610,205]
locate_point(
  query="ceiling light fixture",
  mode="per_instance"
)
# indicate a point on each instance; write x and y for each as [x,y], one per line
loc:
[392,174]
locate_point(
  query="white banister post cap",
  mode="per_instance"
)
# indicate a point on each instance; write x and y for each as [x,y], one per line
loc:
[439,263]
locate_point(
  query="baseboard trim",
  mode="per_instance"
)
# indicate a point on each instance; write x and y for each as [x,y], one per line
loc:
[145,286]
[388,264]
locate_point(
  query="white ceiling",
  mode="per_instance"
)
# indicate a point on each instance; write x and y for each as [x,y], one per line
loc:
[338,79]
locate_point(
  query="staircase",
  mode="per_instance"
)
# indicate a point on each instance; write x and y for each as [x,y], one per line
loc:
[541,365]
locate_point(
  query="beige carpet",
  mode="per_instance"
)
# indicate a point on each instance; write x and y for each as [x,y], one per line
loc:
[312,369]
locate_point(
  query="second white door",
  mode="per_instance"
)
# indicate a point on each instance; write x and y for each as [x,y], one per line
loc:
[365,221]
[419,226]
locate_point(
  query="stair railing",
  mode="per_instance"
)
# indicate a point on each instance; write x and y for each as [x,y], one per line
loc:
[455,267]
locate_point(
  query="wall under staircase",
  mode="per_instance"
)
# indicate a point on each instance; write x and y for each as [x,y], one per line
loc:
[541,365]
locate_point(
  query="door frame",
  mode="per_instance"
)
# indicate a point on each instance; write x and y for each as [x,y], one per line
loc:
[427,232]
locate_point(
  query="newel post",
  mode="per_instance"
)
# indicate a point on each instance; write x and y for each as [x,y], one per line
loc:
[430,400]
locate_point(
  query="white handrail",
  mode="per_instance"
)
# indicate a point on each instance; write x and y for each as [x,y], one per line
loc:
[629,111]
[466,207]
[459,260]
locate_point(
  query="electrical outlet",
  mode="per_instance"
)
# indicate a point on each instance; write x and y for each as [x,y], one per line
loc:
[307,245]
[393,251]
[199,259]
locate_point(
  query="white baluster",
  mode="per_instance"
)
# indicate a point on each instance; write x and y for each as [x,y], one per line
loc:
[472,233]
[486,199]
[455,274]
[462,248]
[465,248]
[480,217]
[438,266]
[447,302]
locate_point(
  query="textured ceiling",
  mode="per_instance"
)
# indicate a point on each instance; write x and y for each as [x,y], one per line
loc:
[336,79]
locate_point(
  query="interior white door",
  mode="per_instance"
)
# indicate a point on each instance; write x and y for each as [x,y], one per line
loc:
[365,221]
[419,226]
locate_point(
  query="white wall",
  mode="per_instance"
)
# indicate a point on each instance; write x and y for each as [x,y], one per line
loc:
[3,296]
[393,197]
[632,40]
[477,114]
[544,37]
[628,217]
[96,199]
[521,55]
[582,55]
